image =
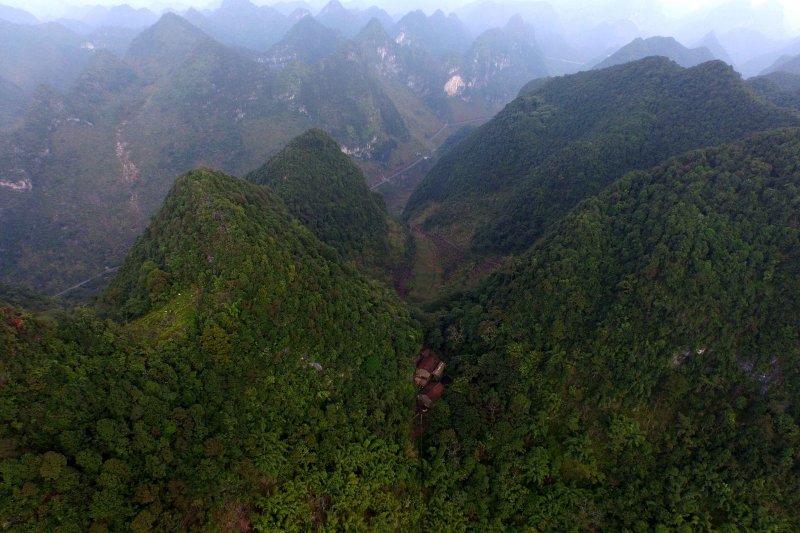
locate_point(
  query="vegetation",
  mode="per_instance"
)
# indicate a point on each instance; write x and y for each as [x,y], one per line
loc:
[570,137]
[636,369]
[257,381]
[780,88]
[327,192]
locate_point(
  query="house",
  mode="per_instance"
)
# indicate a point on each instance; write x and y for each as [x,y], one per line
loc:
[431,393]
[428,366]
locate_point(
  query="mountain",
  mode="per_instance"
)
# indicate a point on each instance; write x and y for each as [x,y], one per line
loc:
[343,93]
[499,63]
[307,41]
[485,15]
[44,53]
[241,23]
[335,16]
[164,46]
[567,138]
[658,46]
[646,344]
[120,16]
[439,35]
[752,51]
[248,347]
[788,64]
[17,16]
[780,88]
[711,42]
[328,193]
[12,105]
[413,68]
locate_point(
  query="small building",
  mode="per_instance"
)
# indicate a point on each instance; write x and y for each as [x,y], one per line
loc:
[428,366]
[431,393]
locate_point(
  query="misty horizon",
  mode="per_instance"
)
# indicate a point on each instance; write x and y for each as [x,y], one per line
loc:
[656,12]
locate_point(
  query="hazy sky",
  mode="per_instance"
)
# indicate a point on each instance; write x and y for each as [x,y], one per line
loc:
[672,8]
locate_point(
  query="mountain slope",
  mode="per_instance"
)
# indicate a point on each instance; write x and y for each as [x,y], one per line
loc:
[43,53]
[645,347]
[258,383]
[569,137]
[439,35]
[12,105]
[307,41]
[328,193]
[658,46]
[164,46]
[499,62]
[789,64]
[780,88]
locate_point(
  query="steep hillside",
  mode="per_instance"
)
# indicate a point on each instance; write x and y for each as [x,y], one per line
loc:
[439,35]
[307,41]
[638,368]
[328,193]
[658,46]
[499,62]
[569,137]
[164,46]
[258,383]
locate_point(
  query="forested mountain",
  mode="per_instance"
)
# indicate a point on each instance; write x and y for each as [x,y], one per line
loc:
[780,88]
[637,368]
[567,138]
[658,46]
[258,382]
[328,193]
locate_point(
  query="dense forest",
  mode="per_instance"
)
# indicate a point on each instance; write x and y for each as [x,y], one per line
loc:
[636,369]
[567,138]
[256,380]
[327,192]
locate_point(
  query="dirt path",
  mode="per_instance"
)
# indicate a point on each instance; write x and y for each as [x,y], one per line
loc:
[84,282]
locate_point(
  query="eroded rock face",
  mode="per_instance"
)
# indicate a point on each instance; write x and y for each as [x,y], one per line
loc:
[454,85]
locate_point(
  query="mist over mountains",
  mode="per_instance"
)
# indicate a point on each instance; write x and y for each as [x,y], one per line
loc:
[488,266]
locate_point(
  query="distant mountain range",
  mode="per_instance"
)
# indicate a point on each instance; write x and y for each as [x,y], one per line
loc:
[658,46]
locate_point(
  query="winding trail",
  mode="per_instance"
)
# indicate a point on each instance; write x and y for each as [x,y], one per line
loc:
[387,179]
[84,282]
